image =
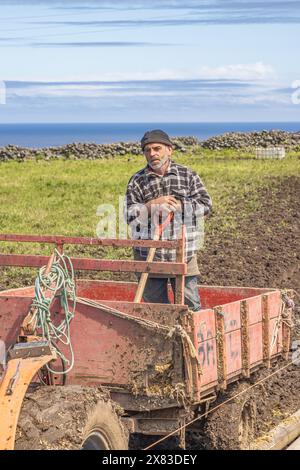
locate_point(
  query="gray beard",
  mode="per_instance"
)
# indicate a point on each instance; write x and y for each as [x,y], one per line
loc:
[158,166]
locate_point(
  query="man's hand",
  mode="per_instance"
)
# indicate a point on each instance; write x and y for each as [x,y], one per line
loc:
[164,204]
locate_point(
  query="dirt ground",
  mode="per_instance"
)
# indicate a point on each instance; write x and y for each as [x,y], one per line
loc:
[267,251]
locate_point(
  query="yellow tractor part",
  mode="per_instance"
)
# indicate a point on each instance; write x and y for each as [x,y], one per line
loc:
[26,360]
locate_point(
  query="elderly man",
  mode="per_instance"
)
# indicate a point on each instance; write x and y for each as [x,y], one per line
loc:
[161,187]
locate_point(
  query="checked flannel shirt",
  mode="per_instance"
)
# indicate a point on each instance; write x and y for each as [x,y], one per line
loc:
[178,181]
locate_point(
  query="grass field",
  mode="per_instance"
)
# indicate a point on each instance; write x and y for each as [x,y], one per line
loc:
[61,197]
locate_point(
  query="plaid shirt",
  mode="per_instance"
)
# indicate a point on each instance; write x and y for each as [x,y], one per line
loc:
[178,181]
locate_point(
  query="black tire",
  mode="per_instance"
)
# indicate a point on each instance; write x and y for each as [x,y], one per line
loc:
[71,417]
[103,430]
[233,425]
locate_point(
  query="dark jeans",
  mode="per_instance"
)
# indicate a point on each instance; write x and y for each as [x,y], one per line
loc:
[156,291]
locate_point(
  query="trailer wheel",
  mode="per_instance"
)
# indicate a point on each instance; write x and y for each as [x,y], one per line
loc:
[233,425]
[103,430]
[70,417]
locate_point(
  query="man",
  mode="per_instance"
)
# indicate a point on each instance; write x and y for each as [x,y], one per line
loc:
[161,187]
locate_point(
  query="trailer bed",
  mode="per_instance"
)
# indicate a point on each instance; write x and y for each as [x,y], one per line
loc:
[238,330]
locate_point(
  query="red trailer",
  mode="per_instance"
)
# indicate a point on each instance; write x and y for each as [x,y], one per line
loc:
[139,368]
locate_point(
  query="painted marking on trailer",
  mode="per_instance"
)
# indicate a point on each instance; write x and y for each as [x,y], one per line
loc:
[234,353]
[205,351]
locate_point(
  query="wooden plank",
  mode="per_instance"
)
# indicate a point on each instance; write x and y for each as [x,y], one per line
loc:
[91,264]
[188,371]
[144,277]
[233,344]
[266,330]
[256,343]
[254,309]
[245,338]
[232,316]
[232,339]
[221,348]
[196,366]
[61,240]
[180,280]
[205,344]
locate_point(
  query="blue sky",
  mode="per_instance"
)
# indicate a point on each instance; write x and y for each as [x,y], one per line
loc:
[147,61]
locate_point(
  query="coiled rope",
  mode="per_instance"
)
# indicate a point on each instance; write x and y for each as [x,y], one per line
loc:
[58,282]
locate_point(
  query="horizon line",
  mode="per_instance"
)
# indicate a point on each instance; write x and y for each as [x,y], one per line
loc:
[151,122]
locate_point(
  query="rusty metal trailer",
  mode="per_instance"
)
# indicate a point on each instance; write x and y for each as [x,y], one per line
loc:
[159,362]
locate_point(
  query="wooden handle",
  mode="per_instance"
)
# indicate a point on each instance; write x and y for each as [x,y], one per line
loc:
[151,253]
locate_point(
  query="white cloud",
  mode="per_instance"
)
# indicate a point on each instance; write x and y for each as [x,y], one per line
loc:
[246,84]
[265,98]
[88,92]
[254,71]
[257,71]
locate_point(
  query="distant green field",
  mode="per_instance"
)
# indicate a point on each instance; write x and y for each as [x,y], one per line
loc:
[61,197]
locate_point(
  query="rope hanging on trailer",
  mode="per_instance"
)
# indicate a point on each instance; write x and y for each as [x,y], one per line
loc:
[58,283]
[284,316]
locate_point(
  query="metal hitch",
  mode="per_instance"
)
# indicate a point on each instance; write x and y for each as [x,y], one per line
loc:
[25,361]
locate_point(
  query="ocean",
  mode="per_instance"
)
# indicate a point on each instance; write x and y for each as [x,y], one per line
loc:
[50,135]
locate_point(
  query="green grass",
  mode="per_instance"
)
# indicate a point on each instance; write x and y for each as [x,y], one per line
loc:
[61,197]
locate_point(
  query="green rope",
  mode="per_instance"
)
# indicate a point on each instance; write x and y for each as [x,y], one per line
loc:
[59,282]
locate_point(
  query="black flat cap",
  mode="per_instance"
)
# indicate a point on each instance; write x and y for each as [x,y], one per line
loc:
[156,136]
